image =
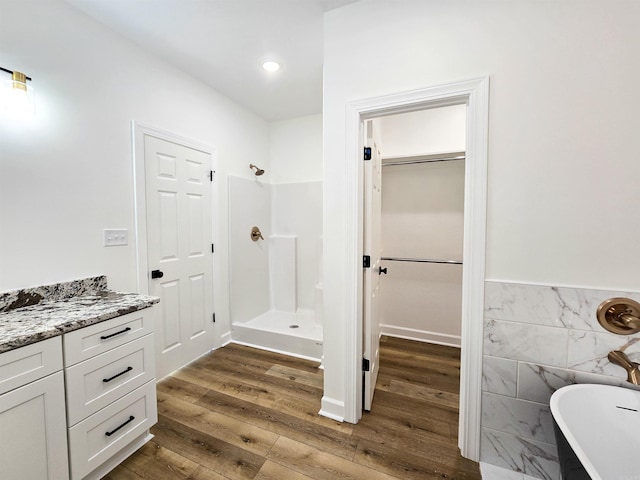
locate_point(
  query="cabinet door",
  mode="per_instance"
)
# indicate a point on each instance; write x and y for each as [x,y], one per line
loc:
[33,441]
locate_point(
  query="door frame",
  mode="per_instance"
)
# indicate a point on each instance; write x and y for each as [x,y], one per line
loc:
[475,94]
[138,131]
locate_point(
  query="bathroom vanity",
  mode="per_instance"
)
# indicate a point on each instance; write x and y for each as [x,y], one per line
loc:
[77,379]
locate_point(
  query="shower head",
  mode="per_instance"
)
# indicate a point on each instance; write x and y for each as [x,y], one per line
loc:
[259,171]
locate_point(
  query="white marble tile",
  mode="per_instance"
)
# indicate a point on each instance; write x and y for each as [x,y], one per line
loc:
[546,305]
[587,352]
[491,472]
[537,383]
[537,459]
[579,305]
[522,303]
[499,375]
[519,417]
[529,343]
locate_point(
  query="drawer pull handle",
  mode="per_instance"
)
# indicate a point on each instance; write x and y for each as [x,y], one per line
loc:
[107,380]
[131,419]
[104,337]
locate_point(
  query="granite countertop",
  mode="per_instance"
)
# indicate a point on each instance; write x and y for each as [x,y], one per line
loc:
[49,318]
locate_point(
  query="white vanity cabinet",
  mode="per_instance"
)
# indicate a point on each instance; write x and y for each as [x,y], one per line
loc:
[110,387]
[33,436]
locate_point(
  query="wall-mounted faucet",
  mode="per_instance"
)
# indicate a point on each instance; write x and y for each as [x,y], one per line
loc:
[620,358]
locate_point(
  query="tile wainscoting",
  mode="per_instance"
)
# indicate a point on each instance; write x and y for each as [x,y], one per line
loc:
[536,340]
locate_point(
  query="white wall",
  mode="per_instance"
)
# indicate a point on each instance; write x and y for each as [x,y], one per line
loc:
[66,173]
[437,130]
[422,217]
[295,150]
[562,150]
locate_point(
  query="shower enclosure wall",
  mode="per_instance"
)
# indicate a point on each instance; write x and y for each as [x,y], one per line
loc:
[276,282]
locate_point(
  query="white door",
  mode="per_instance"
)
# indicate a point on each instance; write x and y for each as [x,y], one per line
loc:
[372,248]
[179,250]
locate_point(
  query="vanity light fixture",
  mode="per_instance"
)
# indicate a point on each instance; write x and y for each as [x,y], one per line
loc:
[15,94]
[271,66]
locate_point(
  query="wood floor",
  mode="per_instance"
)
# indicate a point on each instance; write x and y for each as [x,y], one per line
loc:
[242,413]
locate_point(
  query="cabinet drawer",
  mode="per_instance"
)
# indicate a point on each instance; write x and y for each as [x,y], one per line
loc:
[31,362]
[95,339]
[97,382]
[96,439]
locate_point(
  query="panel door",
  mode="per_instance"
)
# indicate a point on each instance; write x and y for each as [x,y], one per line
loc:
[179,239]
[372,247]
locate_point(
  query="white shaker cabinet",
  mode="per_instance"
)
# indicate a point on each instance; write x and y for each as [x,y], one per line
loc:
[111,391]
[33,437]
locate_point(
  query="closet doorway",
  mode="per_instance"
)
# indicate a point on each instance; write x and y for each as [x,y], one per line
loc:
[418,230]
[474,96]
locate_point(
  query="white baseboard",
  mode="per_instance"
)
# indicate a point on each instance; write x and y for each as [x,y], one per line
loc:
[332,408]
[225,339]
[421,335]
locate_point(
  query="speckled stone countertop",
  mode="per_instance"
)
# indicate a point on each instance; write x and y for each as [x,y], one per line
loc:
[81,305]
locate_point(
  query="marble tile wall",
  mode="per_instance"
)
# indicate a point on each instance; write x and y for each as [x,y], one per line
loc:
[536,340]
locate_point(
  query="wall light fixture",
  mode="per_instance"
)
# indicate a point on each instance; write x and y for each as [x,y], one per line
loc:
[15,94]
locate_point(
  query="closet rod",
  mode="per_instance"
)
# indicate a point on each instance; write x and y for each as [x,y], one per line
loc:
[424,160]
[421,260]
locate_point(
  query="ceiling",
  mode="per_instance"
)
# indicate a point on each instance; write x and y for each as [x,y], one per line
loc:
[223,43]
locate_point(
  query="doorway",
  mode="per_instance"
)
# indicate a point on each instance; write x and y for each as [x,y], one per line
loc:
[473,94]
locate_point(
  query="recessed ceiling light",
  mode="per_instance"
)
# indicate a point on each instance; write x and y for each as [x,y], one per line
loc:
[271,66]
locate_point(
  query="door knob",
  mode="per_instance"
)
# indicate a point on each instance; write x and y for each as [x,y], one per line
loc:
[157,274]
[382,270]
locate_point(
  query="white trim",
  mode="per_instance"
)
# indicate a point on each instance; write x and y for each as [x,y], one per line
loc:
[332,408]
[138,131]
[420,335]
[474,93]
[225,339]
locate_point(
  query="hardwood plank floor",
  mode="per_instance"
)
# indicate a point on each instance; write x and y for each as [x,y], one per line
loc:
[242,413]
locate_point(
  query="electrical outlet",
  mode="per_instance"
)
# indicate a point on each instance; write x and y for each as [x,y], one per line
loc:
[116,236]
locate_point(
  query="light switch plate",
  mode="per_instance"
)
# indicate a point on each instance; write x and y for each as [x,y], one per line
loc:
[116,236]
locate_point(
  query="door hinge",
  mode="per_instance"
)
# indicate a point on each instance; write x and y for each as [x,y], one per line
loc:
[367,153]
[212,248]
[211,172]
[214,318]
[365,365]
[366,261]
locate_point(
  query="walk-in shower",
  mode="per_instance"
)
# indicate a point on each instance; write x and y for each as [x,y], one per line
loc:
[276,279]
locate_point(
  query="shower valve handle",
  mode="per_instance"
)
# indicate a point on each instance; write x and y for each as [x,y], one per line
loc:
[382,270]
[256,234]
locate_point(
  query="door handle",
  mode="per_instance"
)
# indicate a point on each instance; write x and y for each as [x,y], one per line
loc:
[157,274]
[382,270]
